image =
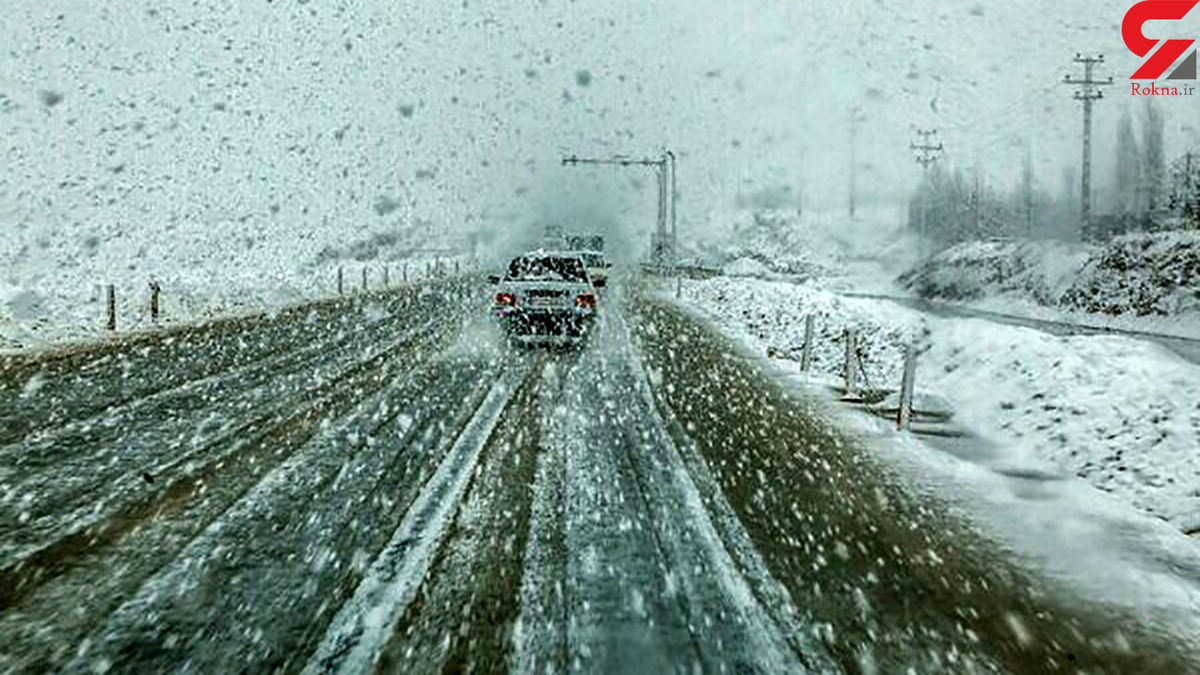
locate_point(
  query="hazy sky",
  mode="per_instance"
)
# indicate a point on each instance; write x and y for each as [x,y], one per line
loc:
[291,119]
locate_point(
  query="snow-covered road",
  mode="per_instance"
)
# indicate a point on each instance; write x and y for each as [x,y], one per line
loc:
[382,484]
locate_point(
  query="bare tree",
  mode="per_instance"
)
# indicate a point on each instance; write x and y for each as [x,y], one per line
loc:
[1025,194]
[1129,167]
[1154,161]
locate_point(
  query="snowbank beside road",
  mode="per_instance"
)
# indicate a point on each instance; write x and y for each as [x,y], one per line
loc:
[1142,274]
[1135,282]
[1037,271]
[1120,413]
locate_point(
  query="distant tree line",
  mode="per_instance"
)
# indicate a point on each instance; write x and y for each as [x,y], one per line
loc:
[1149,193]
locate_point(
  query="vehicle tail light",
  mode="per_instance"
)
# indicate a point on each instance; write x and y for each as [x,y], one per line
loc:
[585,301]
[506,299]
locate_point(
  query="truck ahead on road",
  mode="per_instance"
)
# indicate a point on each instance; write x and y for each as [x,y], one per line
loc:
[592,243]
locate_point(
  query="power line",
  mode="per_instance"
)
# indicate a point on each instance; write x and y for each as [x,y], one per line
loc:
[1088,92]
[927,154]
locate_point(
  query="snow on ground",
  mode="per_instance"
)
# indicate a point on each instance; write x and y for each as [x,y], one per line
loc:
[75,310]
[1120,413]
[1039,271]
[1147,282]
[1141,274]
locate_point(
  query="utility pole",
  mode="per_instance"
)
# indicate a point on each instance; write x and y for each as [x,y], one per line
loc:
[926,153]
[1088,92]
[663,244]
[674,194]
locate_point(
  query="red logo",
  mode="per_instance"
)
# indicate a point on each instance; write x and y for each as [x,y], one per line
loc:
[1170,51]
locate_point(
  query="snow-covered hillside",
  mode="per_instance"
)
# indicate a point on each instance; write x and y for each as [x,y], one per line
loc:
[1120,413]
[1023,270]
[1141,275]
[1138,281]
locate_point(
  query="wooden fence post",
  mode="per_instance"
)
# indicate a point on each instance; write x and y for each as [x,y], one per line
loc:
[907,381]
[850,368]
[112,307]
[155,291]
[806,356]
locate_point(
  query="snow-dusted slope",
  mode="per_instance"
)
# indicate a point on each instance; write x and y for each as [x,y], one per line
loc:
[1120,413]
[1141,275]
[1147,282]
[1030,271]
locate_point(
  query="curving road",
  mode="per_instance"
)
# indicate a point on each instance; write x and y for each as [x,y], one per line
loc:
[379,485]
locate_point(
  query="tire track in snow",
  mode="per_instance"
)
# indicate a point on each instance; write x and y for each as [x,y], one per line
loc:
[744,636]
[90,379]
[648,576]
[246,588]
[43,448]
[363,626]
[128,503]
[540,636]
[704,494]
[160,450]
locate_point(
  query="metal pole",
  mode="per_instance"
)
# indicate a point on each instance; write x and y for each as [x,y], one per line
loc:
[661,166]
[925,248]
[674,218]
[340,284]
[364,279]
[1086,196]
[1088,92]
[926,154]
[662,214]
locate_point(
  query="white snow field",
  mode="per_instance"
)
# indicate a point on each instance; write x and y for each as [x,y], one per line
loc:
[1120,413]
